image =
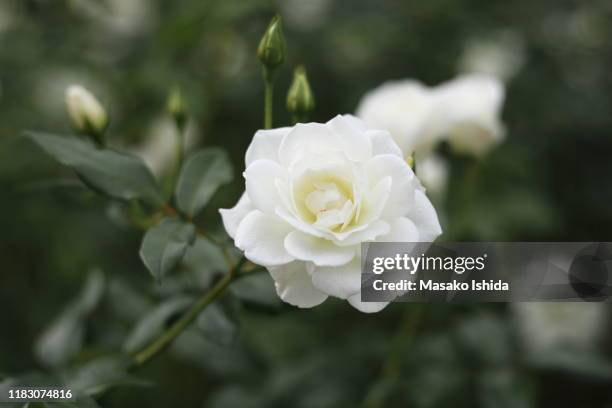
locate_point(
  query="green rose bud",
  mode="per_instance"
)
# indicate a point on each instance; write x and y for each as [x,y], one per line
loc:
[300,100]
[410,160]
[177,107]
[271,50]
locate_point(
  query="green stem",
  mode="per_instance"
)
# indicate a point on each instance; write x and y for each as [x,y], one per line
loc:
[167,337]
[297,118]
[408,326]
[178,159]
[377,394]
[268,98]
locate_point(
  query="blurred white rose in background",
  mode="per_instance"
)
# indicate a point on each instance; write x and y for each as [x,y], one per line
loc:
[468,111]
[314,193]
[501,55]
[464,111]
[8,16]
[567,325]
[305,15]
[118,17]
[158,148]
[404,108]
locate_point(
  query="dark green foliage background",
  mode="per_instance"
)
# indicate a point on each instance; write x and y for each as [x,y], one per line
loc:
[549,181]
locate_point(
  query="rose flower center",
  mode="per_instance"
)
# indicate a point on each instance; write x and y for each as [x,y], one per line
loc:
[326,202]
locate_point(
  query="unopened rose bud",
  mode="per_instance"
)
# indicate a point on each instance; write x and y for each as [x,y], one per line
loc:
[410,160]
[177,107]
[87,114]
[300,100]
[271,50]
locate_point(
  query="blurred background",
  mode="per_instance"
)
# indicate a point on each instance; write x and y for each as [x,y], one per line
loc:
[549,181]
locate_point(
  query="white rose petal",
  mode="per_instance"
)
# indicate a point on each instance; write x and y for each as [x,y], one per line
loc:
[233,216]
[320,251]
[366,307]
[424,216]
[403,182]
[294,286]
[261,184]
[383,143]
[261,237]
[265,145]
[314,193]
[402,230]
[340,281]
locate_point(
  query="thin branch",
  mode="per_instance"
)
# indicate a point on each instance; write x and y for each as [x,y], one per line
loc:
[390,372]
[268,99]
[167,337]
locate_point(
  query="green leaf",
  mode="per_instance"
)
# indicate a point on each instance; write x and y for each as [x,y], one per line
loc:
[491,350]
[116,174]
[127,303]
[503,388]
[192,347]
[257,288]
[237,396]
[218,324]
[63,339]
[154,323]
[575,361]
[200,177]
[204,260]
[101,374]
[164,246]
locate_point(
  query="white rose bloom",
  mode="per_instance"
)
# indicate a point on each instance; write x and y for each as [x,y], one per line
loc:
[468,112]
[314,193]
[545,326]
[405,109]
[465,111]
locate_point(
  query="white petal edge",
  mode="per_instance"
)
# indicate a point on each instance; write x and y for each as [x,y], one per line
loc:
[366,307]
[383,143]
[338,281]
[320,251]
[404,108]
[294,285]
[424,216]
[369,233]
[308,137]
[261,185]
[261,237]
[233,216]
[265,145]
[402,230]
[402,186]
[356,144]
